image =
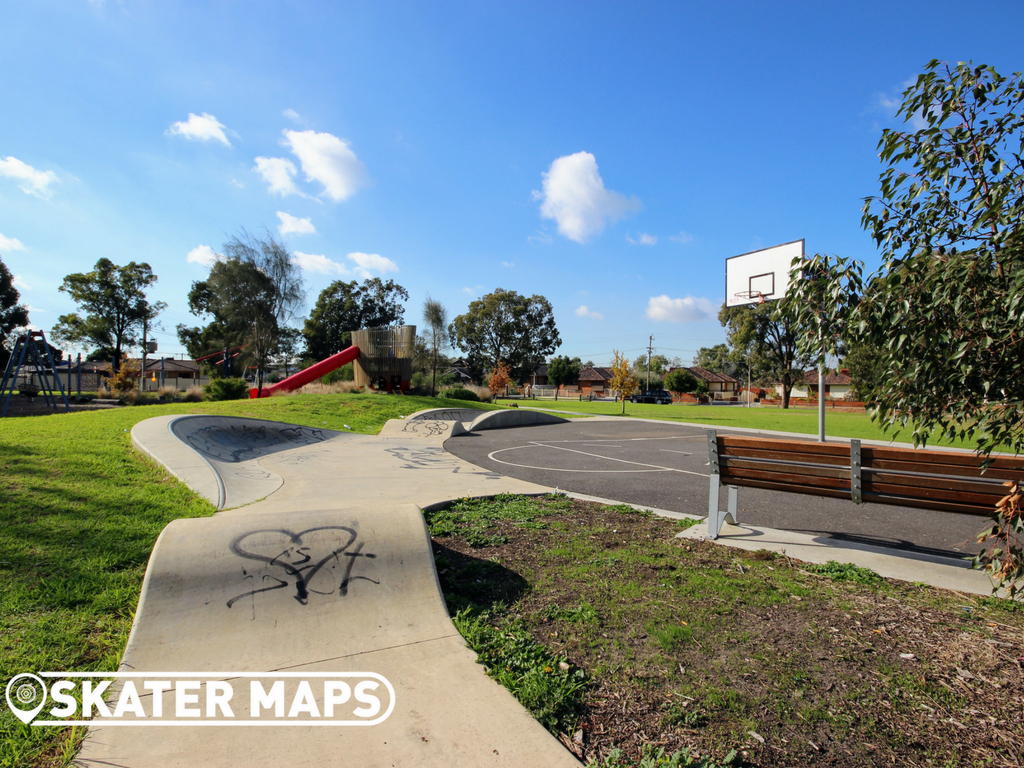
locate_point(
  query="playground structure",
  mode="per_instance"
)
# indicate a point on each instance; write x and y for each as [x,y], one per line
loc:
[27,352]
[382,357]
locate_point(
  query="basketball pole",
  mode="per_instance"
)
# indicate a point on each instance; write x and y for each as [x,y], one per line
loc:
[821,383]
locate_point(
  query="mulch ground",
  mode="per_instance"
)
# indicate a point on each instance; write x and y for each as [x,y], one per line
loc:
[693,645]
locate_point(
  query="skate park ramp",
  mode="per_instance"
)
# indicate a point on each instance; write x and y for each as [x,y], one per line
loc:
[332,571]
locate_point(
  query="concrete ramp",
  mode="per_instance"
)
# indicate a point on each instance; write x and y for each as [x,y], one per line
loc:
[340,586]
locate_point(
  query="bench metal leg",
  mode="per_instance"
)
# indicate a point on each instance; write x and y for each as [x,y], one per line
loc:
[717,517]
[731,515]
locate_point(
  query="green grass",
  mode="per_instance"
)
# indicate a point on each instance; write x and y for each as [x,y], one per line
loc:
[798,421]
[79,514]
[544,683]
[704,644]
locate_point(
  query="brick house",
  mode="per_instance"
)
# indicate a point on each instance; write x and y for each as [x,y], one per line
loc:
[595,381]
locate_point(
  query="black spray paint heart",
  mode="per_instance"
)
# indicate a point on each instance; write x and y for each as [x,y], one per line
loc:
[323,556]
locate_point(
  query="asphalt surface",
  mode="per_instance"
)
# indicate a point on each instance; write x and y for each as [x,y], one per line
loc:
[666,466]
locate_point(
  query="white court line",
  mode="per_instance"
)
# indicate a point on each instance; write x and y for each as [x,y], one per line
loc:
[627,439]
[653,467]
[669,450]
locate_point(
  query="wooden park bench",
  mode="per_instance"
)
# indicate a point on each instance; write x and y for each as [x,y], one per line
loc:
[907,477]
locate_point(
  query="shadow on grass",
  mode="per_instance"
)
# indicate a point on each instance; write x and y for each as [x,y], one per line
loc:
[469,582]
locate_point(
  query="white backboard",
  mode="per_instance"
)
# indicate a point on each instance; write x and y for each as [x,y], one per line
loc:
[766,271]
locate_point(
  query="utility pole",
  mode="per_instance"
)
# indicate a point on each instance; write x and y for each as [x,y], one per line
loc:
[145,341]
[650,349]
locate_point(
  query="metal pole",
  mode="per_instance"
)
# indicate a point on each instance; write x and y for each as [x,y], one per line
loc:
[145,338]
[821,384]
[650,344]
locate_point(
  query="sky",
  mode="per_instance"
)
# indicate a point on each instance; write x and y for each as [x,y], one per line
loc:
[609,156]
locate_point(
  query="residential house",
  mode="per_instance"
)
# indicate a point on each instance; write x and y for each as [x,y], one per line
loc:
[721,386]
[837,385]
[595,381]
[460,372]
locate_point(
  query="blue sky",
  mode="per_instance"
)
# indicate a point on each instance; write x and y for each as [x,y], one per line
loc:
[609,156]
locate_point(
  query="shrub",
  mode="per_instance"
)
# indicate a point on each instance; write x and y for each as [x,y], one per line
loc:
[319,388]
[344,373]
[193,395]
[168,392]
[460,393]
[420,383]
[227,389]
[125,379]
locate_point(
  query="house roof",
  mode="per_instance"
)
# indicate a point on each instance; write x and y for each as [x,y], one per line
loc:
[596,374]
[542,370]
[832,379]
[711,376]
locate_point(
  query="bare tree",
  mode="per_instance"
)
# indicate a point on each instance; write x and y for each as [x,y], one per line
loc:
[281,298]
[436,318]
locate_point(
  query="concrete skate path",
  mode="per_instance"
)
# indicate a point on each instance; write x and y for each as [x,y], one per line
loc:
[284,489]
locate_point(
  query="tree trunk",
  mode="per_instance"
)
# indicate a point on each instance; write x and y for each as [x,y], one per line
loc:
[787,388]
[433,375]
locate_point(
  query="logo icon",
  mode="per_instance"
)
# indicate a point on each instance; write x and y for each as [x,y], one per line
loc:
[23,691]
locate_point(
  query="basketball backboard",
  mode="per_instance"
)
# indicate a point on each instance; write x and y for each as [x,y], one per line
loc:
[760,275]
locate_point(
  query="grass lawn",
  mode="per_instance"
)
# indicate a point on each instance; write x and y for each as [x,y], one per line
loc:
[622,638]
[79,514]
[797,420]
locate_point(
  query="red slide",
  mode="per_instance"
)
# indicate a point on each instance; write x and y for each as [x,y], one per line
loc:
[312,373]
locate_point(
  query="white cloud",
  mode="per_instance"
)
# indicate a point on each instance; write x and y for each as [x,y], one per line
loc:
[688,310]
[644,239]
[278,173]
[539,237]
[683,237]
[20,283]
[32,181]
[329,160]
[32,309]
[365,264]
[315,262]
[508,264]
[205,255]
[291,114]
[584,311]
[372,262]
[294,225]
[204,127]
[10,244]
[575,197]
[473,290]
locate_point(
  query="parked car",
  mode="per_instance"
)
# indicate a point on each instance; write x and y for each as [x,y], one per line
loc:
[657,396]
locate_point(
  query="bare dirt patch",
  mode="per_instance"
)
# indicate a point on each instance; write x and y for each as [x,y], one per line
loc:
[689,645]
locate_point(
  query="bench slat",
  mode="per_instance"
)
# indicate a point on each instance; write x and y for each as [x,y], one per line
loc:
[944,484]
[731,450]
[732,465]
[982,501]
[768,485]
[798,446]
[740,476]
[947,458]
[939,505]
[948,470]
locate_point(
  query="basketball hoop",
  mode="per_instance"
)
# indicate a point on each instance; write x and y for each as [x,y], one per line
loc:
[748,295]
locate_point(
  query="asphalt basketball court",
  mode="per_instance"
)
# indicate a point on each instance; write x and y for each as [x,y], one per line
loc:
[665,465]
